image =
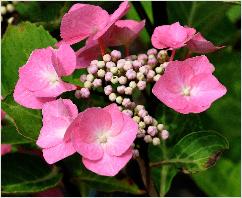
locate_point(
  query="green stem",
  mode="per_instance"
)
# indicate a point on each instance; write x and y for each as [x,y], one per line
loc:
[163,171]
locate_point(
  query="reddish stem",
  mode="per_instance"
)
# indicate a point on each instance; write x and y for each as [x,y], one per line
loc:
[188,54]
[102,46]
[172,55]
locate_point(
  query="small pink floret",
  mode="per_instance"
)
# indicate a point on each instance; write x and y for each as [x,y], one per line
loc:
[188,86]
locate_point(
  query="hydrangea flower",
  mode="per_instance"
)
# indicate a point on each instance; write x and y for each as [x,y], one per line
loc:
[103,137]
[40,78]
[188,86]
[5,148]
[57,116]
[88,21]
[199,44]
[171,36]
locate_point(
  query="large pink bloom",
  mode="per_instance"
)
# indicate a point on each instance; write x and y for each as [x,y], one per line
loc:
[103,137]
[123,32]
[57,116]
[199,44]
[189,86]
[171,36]
[40,78]
[88,21]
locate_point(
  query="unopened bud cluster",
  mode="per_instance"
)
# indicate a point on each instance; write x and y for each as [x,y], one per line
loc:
[7,9]
[120,77]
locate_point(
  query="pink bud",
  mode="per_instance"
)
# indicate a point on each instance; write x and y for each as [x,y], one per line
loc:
[152,62]
[150,74]
[94,62]
[152,51]
[142,113]
[148,119]
[137,64]
[144,69]
[116,54]
[128,112]
[110,64]
[121,89]
[142,57]
[83,77]
[85,93]
[92,69]
[131,74]
[128,90]
[122,80]
[152,130]
[108,90]
[141,85]
[77,94]
[126,102]
[108,76]
[164,134]
[97,82]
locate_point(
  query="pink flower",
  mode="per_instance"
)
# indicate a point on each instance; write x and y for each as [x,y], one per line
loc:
[40,78]
[125,31]
[171,36]
[88,21]
[189,86]
[57,116]
[5,148]
[199,44]
[103,137]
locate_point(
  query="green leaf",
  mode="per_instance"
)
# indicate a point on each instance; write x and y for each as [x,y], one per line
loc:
[221,180]
[9,134]
[17,44]
[27,121]
[198,151]
[104,184]
[75,77]
[24,173]
[207,17]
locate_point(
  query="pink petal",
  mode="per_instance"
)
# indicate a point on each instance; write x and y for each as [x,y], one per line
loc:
[5,148]
[27,99]
[108,165]
[86,54]
[125,31]
[82,23]
[52,132]
[38,70]
[118,14]
[61,108]
[76,7]
[199,44]
[117,118]
[58,152]
[55,89]
[64,60]
[119,144]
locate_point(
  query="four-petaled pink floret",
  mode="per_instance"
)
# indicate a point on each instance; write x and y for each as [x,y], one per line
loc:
[40,78]
[57,116]
[188,86]
[103,136]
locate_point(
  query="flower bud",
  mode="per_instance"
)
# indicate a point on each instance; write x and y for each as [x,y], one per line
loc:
[126,102]
[110,64]
[164,134]
[120,89]
[112,97]
[127,65]
[160,127]
[141,85]
[108,76]
[155,123]
[101,73]
[142,57]
[159,70]
[128,112]
[140,76]
[90,77]
[135,153]
[152,62]
[148,139]
[94,62]
[152,130]
[122,80]
[97,82]
[108,90]
[144,69]
[85,93]
[83,78]
[106,58]
[132,84]
[101,64]
[142,125]
[87,84]
[136,64]
[157,77]
[10,20]
[115,55]
[77,94]
[150,74]
[152,51]
[136,119]
[131,74]
[114,80]
[162,56]
[148,119]
[119,99]
[10,8]
[128,90]
[139,107]
[92,69]
[3,10]
[156,141]
[120,63]
[142,113]
[114,70]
